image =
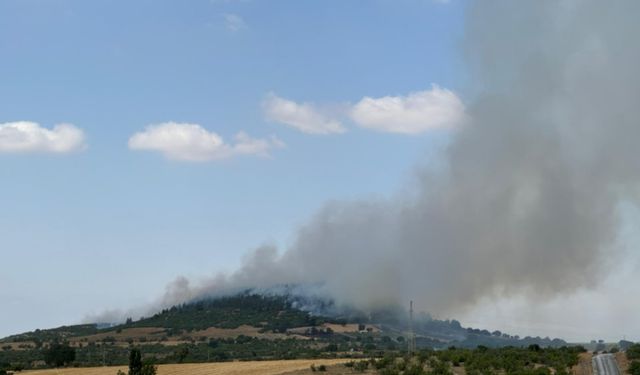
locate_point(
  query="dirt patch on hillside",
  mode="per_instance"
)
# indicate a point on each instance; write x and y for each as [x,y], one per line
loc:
[339,369]
[349,328]
[584,366]
[337,328]
[124,334]
[623,362]
[21,345]
[152,335]
[223,333]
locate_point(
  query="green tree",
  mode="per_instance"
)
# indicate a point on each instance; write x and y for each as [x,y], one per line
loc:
[59,355]
[135,362]
[182,354]
[634,368]
[361,366]
[138,367]
[415,369]
[149,368]
[633,352]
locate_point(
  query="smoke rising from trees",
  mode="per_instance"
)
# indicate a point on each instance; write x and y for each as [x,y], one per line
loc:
[527,199]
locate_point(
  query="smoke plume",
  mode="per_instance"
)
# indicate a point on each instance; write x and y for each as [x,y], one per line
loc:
[527,199]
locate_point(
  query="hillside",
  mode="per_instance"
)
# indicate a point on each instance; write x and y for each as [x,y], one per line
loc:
[249,326]
[268,313]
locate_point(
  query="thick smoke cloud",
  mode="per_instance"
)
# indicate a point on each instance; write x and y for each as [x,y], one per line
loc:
[527,199]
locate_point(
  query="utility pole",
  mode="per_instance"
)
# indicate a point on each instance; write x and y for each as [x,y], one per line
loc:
[411,343]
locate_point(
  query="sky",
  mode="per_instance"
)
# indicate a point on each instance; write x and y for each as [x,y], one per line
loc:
[144,140]
[99,222]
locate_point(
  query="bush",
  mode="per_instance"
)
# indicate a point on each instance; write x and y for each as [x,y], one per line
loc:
[633,352]
[414,370]
[361,366]
[149,368]
[384,362]
[138,367]
[59,355]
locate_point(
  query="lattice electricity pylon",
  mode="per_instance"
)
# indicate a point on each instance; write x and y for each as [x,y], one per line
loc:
[411,340]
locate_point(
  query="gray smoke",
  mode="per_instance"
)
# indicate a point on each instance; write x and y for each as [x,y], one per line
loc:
[527,199]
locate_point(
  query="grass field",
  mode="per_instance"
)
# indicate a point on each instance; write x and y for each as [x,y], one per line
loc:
[220,368]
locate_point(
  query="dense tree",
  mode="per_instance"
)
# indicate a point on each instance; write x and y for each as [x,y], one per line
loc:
[182,354]
[270,313]
[137,366]
[58,355]
[633,352]
[135,362]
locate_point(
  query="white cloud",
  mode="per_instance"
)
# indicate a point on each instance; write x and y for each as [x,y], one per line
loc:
[303,117]
[192,142]
[30,137]
[234,22]
[415,113]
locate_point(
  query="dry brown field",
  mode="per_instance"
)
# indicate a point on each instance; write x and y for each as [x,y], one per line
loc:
[584,365]
[298,366]
[337,328]
[157,335]
[213,332]
[623,362]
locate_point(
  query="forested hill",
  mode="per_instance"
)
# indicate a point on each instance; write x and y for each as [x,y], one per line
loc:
[279,314]
[270,313]
[248,326]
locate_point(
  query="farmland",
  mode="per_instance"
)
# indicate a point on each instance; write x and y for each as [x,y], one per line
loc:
[246,327]
[521,361]
[224,368]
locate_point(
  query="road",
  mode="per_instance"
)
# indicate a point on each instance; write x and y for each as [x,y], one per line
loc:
[605,364]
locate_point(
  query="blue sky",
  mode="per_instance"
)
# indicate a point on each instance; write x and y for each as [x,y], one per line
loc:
[81,219]
[150,139]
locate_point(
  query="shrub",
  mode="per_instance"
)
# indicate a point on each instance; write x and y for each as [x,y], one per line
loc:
[361,366]
[415,370]
[138,367]
[633,352]
[59,355]
[389,371]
